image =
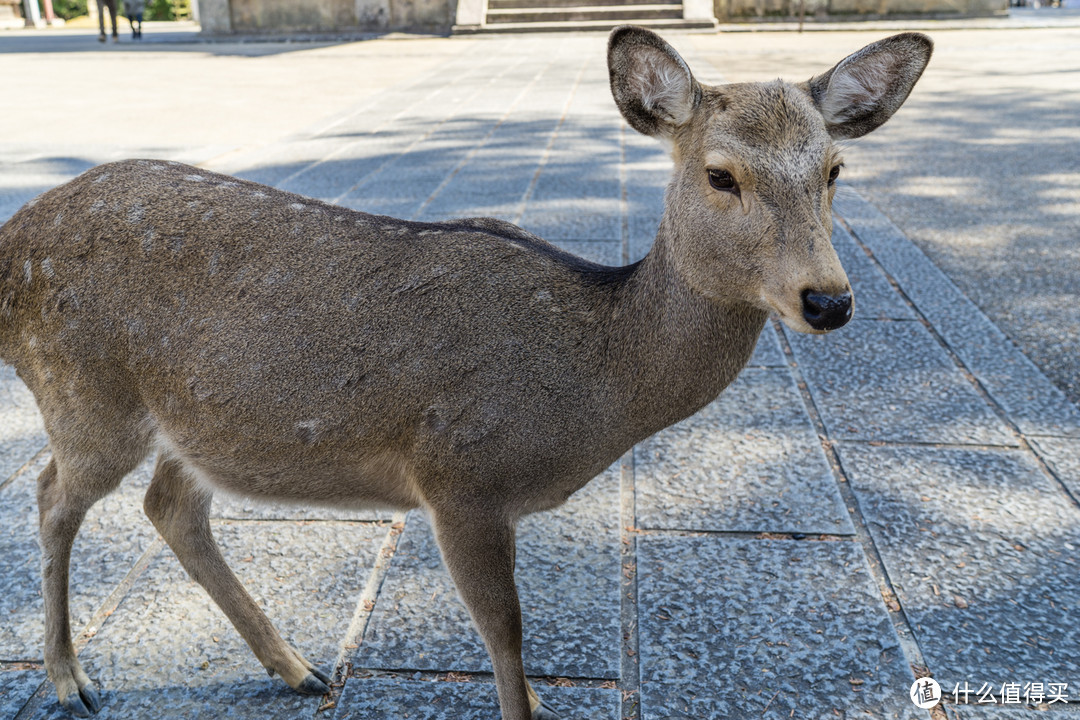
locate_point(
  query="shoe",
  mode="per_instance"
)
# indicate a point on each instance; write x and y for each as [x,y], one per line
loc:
[101,37]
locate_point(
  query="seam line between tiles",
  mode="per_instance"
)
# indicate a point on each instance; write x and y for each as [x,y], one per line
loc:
[365,605]
[968,373]
[629,682]
[24,468]
[902,625]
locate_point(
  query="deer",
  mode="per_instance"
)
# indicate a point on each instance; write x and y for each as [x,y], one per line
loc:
[272,346]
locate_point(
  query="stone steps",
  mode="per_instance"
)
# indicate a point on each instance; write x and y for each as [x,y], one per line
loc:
[610,13]
[602,24]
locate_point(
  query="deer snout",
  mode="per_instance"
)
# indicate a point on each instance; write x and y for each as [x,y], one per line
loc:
[825,312]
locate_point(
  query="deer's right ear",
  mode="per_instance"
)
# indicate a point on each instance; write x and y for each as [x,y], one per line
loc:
[867,87]
[652,85]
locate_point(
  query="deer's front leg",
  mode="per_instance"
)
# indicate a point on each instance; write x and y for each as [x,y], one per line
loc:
[479,552]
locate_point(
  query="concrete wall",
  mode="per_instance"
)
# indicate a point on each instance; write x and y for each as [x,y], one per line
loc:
[833,10]
[284,16]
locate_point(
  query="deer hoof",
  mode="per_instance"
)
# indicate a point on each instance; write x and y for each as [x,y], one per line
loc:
[83,703]
[543,712]
[316,683]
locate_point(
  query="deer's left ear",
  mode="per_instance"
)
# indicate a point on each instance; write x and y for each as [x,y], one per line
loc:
[866,88]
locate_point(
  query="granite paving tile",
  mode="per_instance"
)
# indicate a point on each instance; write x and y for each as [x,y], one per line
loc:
[168,638]
[983,549]
[396,698]
[767,352]
[1034,403]
[568,575]
[22,431]
[891,381]
[16,688]
[569,219]
[113,536]
[262,699]
[604,253]
[750,462]
[747,628]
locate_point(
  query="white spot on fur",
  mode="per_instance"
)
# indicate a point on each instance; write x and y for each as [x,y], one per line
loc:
[58,219]
[47,268]
[298,206]
[207,215]
[148,241]
[136,213]
[194,178]
[101,177]
[259,194]
[34,202]
[98,205]
[28,271]
[32,342]
[229,184]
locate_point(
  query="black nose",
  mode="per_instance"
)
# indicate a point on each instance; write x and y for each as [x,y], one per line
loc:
[826,312]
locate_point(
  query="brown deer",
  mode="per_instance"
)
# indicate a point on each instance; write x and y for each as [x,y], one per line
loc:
[281,348]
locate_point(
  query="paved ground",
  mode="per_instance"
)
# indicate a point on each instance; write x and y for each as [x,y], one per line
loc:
[901,494]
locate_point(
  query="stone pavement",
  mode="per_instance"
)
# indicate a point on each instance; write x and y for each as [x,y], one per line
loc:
[896,497]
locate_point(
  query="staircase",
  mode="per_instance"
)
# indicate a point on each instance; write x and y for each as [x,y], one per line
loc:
[565,15]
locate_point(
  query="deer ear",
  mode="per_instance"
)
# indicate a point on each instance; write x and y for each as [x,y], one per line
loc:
[652,85]
[866,88]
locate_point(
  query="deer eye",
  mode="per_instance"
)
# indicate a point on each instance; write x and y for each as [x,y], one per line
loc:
[723,180]
[835,173]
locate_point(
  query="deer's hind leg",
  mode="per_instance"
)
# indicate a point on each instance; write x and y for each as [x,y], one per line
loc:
[180,509]
[67,488]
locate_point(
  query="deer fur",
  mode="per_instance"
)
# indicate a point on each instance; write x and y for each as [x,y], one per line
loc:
[281,348]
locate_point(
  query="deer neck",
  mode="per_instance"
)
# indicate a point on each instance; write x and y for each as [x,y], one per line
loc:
[679,348]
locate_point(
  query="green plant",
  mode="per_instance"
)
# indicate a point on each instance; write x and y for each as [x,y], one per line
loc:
[68,9]
[159,10]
